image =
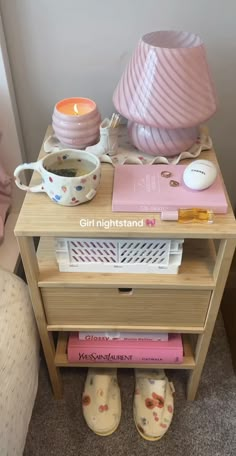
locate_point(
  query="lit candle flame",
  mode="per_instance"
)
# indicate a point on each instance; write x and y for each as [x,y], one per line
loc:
[76,109]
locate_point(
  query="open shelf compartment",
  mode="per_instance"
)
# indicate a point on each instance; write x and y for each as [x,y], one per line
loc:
[196,270]
[62,361]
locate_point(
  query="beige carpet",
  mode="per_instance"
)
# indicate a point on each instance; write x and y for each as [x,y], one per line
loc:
[205,427]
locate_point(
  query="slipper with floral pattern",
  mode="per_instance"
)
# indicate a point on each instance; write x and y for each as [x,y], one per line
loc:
[101,401]
[153,403]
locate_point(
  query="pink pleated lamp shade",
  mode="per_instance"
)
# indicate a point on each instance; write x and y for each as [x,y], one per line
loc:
[167,83]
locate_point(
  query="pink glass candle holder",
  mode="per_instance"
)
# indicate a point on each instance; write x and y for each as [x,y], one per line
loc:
[76,122]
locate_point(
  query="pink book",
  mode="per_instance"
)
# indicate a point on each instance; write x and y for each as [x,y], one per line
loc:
[128,351]
[141,188]
[115,335]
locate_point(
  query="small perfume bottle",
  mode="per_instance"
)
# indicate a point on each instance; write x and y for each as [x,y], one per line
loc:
[193,215]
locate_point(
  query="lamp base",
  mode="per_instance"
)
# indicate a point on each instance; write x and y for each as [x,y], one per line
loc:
[160,141]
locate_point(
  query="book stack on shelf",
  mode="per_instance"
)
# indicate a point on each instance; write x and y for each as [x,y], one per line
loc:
[146,348]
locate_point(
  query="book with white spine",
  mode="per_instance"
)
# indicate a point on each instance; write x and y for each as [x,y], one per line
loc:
[114,335]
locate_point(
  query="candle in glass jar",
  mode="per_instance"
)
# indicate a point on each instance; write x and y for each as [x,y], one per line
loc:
[75,106]
[76,122]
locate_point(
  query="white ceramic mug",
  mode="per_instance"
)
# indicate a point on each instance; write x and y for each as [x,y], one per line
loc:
[67,191]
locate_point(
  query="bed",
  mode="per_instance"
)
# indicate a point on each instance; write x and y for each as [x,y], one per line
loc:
[19,363]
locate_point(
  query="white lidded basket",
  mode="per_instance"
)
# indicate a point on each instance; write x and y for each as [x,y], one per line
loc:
[158,256]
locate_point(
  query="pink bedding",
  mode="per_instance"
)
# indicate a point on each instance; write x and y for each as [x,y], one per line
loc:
[5,197]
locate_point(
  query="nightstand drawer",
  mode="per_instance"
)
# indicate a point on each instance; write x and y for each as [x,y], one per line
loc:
[125,307]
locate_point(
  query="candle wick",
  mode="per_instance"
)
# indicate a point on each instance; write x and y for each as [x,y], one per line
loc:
[76,109]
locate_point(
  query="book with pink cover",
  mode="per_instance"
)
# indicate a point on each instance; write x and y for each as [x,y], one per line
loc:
[128,351]
[119,335]
[139,188]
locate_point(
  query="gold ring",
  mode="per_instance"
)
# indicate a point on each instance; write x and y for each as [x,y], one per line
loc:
[166,174]
[174,183]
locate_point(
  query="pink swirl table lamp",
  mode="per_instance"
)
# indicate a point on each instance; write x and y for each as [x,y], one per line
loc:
[165,92]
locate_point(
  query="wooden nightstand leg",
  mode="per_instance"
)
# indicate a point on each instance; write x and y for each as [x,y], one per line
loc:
[195,375]
[28,255]
[220,274]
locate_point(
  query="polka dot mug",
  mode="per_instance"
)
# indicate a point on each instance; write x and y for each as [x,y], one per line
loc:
[68,186]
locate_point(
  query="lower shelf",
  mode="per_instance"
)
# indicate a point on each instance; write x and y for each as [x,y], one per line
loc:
[62,361]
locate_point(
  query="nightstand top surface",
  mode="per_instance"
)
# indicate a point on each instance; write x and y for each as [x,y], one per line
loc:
[39,216]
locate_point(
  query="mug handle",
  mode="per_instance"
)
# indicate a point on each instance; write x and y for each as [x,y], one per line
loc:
[34,166]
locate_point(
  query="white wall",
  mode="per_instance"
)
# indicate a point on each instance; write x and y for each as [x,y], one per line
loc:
[61,48]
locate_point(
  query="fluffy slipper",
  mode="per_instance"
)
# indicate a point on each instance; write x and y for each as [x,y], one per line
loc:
[153,403]
[101,401]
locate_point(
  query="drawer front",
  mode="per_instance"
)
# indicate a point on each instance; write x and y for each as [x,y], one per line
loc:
[109,306]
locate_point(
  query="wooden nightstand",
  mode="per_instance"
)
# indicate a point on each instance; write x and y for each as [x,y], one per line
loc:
[187,302]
